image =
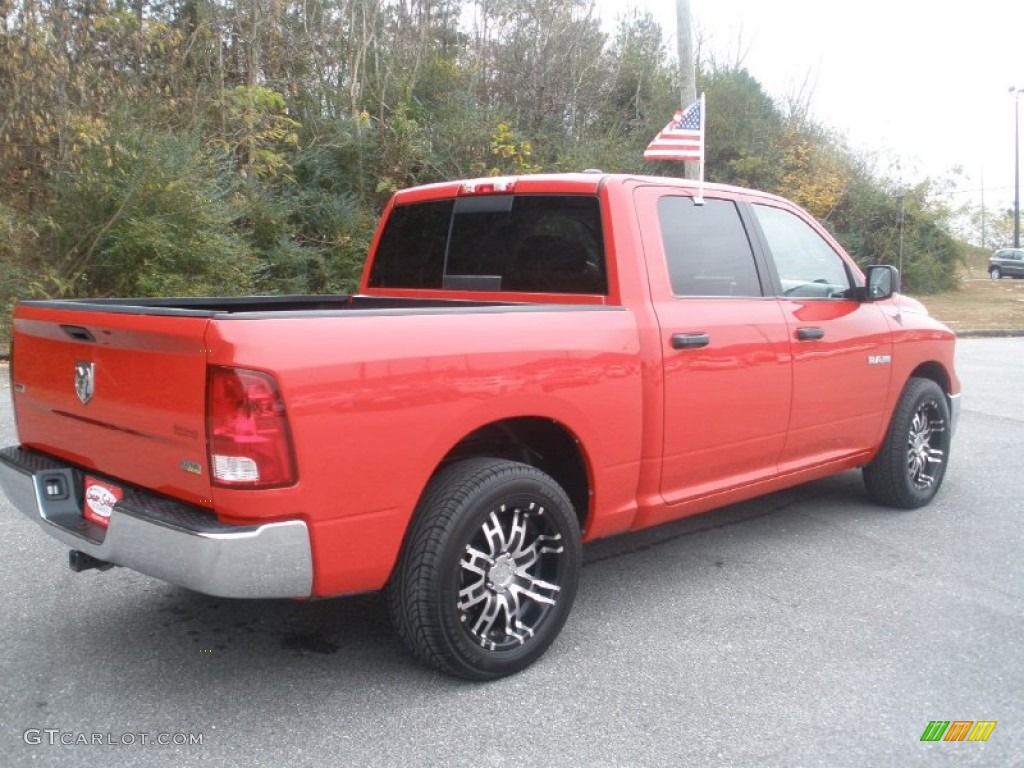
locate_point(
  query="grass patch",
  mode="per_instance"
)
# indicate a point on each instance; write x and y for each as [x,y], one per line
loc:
[980,304]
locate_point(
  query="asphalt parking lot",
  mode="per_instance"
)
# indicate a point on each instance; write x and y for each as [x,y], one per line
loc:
[807,628]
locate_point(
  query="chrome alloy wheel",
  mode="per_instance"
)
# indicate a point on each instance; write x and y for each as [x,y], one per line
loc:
[509,576]
[924,454]
[489,569]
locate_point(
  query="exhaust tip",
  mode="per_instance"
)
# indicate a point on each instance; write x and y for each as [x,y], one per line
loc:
[80,561]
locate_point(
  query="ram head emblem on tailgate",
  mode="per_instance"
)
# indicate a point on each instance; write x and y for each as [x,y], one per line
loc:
[85,380]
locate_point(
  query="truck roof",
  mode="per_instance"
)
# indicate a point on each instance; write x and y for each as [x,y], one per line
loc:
[586,182]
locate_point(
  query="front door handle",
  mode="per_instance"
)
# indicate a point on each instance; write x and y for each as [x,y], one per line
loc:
[690,340]
[810,334]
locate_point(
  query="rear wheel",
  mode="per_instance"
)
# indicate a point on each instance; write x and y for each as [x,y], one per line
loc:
[489,569]
[910,467]
[995,273]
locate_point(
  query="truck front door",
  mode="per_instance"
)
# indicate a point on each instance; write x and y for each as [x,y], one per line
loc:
[842,348]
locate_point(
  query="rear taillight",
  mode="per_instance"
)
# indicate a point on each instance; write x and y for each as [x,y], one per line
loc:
[247,430]
[16,389]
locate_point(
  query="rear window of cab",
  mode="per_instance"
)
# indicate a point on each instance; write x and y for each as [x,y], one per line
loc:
[512,243]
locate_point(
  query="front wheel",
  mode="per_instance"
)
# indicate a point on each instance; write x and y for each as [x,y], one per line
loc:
[911,464]
[489,569]
[995,273]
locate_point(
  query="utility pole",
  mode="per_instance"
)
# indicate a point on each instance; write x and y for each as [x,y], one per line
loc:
[903,216]
[983,206]
[687,69]
[1016,165]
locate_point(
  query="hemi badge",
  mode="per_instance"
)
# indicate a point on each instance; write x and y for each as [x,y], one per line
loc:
[192,467]
[879,359]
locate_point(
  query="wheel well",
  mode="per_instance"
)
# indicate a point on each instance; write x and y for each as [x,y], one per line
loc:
[935,372]
[542,443]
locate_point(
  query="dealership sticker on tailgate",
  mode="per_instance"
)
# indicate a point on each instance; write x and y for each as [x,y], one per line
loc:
[100,498]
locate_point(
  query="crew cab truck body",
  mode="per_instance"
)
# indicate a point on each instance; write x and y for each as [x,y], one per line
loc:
[530,363]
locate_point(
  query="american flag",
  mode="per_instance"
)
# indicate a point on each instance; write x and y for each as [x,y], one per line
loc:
[681,139]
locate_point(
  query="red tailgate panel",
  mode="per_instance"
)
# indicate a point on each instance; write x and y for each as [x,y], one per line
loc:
[140,418]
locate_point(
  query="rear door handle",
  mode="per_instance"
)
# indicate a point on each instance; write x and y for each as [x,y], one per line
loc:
[810,334]
[690,340]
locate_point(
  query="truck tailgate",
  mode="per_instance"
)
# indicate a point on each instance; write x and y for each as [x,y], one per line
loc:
[121,393]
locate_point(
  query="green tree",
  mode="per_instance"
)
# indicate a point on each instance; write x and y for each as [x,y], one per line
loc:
[194,146]
[148,213]
[884,223]
[745,130]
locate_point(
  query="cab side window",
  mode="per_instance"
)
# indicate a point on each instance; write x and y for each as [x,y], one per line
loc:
[707,248]
[808,266]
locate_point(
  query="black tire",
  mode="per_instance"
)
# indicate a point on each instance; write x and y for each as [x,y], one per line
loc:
[910,466]
[489,569]
[995,273]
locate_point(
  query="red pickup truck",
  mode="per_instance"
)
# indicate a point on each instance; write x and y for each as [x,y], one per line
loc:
[530,363]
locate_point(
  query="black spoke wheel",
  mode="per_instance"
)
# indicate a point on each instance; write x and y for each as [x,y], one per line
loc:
[489,569]
[910,467]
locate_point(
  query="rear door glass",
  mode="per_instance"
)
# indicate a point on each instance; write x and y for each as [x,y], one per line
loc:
[707,248]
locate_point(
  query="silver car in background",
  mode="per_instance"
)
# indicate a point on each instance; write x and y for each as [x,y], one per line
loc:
[1006,262]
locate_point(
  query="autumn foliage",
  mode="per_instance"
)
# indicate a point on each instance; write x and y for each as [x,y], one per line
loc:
[233,146]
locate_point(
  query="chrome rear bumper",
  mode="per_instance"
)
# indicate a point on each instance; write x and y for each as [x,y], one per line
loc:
[161,537]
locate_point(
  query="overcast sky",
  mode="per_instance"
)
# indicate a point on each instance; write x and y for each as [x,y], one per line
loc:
[924,85]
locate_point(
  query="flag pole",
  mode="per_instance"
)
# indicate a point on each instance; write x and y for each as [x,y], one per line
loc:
[699,200]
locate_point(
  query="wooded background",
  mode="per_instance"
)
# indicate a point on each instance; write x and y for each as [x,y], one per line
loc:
[190,147]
